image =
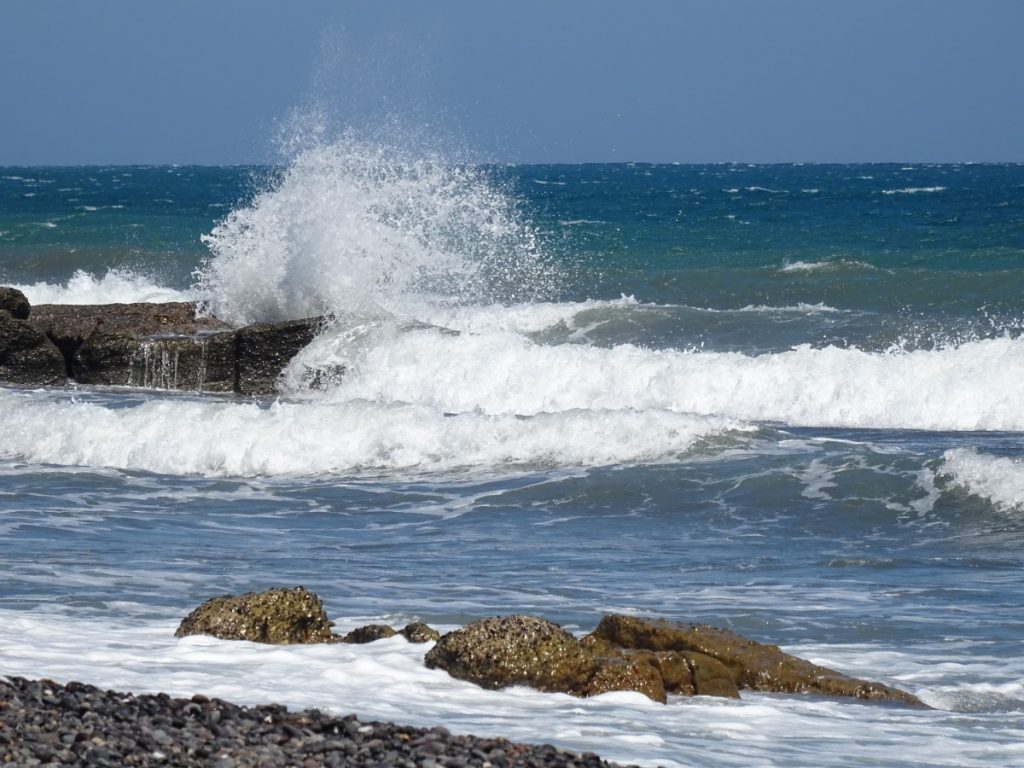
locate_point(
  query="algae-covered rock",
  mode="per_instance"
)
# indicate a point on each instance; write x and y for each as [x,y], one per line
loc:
[624,673]
[514,650]
[278,616]
[751,664]
[418,632]
[368,634]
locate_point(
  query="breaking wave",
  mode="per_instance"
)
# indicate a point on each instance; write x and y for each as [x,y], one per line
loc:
[998,479]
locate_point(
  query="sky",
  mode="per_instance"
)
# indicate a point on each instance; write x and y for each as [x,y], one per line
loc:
[523,81]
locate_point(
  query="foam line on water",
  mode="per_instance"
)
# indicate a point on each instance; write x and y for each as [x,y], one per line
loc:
[188,436]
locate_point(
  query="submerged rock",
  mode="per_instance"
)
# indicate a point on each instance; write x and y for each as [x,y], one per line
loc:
[277,616]
[368,634]
[752,665]
[418,632]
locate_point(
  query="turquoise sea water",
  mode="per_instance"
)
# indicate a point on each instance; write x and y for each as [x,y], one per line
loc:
[782,399]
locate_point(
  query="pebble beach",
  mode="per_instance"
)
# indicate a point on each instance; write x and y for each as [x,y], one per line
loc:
[46,723]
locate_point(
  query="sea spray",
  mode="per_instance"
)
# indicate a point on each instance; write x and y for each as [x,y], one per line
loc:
[355,227]
[114,286]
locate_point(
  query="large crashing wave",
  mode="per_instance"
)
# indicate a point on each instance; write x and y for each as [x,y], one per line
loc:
[355,228]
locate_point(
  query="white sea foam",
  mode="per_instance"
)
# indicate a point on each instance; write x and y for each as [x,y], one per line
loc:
[191,436]
[431,399]
[802,308]
[355,227]
[824,266]
[505,373]
[116,286]
[912,190]
[997,478]
[387,680]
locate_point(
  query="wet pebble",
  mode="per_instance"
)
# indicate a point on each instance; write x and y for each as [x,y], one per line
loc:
[42,722]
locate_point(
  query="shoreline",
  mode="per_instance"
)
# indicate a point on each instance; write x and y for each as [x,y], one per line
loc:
[43,722]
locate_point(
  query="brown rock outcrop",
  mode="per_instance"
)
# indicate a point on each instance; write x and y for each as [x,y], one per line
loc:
[752,665]
[514,650]
[277,616]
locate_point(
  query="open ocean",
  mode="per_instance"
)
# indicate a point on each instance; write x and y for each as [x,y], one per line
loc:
[786,399]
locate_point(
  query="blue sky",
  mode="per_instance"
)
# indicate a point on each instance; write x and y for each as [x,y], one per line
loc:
[215,81]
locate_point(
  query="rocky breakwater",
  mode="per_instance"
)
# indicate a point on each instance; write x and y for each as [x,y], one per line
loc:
[158,346]
[654,657]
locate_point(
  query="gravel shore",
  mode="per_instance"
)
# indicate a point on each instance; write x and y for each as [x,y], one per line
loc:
[45,723]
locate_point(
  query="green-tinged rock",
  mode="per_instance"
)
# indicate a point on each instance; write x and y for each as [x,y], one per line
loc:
[514,650]
[418,632]
[751,664]
[368,634]
[277,616]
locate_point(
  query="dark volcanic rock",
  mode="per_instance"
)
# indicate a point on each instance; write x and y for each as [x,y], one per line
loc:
[278,616]
[264,349]
[166,346]
[752,665]
[106,343]
[28,357]
[14,301]
[200,363]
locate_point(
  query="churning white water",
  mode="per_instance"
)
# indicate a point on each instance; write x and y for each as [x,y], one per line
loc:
[354,228]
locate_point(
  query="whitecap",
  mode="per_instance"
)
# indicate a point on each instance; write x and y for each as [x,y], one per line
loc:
[999,479]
